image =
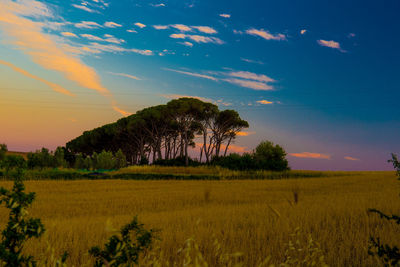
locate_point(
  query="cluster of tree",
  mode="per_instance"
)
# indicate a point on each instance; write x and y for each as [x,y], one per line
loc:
[165,132]
[266,156]
[47,159]
[105,160]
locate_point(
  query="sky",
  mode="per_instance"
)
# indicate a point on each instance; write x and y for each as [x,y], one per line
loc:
[320,78]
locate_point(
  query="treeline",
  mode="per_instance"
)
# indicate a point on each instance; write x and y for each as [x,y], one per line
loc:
[164,132]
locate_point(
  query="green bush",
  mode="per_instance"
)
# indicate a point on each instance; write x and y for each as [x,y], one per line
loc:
[270,157]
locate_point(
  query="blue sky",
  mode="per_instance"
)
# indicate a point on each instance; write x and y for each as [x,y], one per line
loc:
[317,77]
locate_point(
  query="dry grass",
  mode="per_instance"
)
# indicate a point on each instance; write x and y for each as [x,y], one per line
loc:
[249,216]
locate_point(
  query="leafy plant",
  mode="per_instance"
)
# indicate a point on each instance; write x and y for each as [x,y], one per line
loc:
[389,255]
[124,248]
[19,228]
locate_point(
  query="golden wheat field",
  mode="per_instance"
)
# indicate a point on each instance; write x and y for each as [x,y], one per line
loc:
[254,217]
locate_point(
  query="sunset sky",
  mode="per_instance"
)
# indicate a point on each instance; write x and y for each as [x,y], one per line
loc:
[320,78]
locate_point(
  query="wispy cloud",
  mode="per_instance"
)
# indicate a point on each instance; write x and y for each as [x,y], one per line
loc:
[193,74]
[181,27]
[197,38]
[264,102]
[88,25]
[252,61]
[250,84]
[303,31]
[131,31]
[97,48]
[54,86]
[351,35]
[266,34]
[245,133]
[331,44]
[110,24]
[108,38]
[125,75]
[69,34]
[205,29]
[225,15]
[187,44]
[351,158]
[158,5]
[310,155]
[251,76]
[140,25]
[160,27]
[85,8]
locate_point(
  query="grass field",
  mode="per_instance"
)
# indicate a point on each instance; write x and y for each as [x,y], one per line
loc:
[255,217]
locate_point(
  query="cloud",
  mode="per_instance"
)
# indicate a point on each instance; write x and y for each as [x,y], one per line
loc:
[140,25]
[351,35]
[110,24]
[264,102]
[250,84]
[251,76]
[158,5]
[187,44]
[205,29]
[193,74]
[85,8]
[55,87]
[244,133]
[252,61]
[197,38]
[351,158]
[225,15]
[131,30]
[97,48]
[331,44]
[119,110]
[303,31]
[160,27]
[126,75]
[310,155]
[266,34]
[181,27]
[69,34]
[43,48]
[109,38]
[88,25]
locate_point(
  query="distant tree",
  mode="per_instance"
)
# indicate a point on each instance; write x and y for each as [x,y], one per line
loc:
[120,159]
[3,151]
[11,162]
[59,158]
[270,157]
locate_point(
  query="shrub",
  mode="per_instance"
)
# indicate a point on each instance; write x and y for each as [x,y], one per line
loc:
[11,162]
[3,151]
[235,162]
[120,159]
[270,157]
[179,161]
[19,228]
[121,250]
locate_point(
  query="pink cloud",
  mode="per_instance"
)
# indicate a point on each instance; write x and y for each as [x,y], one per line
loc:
[310,155]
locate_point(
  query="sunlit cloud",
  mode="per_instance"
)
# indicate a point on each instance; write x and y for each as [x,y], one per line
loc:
[131,31]
[225,15]
[303,31]
[187,44]
[250,84]
[252,61]
[330,44]
[160,27]
[110,24]
[178,36]
[98,48]
[119,110]
[193,74]
[251,76]
[85,8]
[310,155]
[140,25]
[205,29]
[69,34]
[55,87]
[108,38]
[266,34]
[181,27]
[158,5]
[264,102]
[88,25]
[125,75]
[197,38]
[245,133]
[351,158]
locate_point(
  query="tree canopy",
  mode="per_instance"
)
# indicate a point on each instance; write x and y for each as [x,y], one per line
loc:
[164,132]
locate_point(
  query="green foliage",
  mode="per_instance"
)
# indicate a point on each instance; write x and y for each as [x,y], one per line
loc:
[19,228]
[179,161]
[124,248]
[104,160]
[120,159]
[389,255]
[270,157]
[13,162]
[236,162]
[45,159]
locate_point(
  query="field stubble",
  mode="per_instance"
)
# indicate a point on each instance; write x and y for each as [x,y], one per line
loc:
[255,217]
